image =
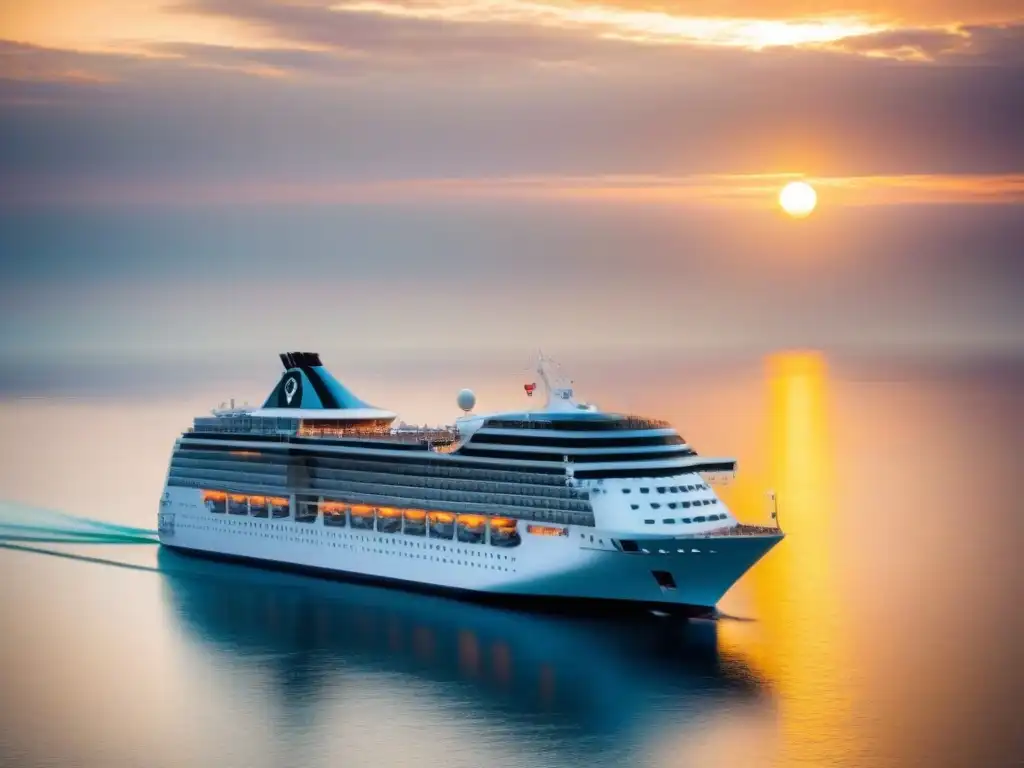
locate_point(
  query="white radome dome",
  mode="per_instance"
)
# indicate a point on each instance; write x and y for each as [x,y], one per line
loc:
[466,400]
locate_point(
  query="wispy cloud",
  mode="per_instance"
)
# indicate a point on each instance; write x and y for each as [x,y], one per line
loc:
[742,190]
[531,27]
[955,44]
[118,26]
[642,26]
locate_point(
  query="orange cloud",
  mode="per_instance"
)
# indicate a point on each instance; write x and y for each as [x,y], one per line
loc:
[639,26]
[117,25]
[896,12]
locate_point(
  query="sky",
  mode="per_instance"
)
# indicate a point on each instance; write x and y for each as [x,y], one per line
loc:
[224,179]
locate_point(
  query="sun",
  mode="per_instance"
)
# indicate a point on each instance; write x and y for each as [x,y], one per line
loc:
[798,199]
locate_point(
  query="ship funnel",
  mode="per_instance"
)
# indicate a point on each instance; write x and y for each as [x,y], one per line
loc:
[308,385]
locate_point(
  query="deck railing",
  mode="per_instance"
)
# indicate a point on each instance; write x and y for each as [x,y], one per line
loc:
[741,529]
[432,436]
[284,427]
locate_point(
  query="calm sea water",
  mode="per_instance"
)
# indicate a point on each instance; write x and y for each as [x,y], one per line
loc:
[884,631]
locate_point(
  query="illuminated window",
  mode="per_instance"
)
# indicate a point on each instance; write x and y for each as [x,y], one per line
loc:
[547,530]
[334,513]
[415,522]
[471,528]
[441,525]
[279,506]
[362,516]
[389,520]
[215,501]
[505,532]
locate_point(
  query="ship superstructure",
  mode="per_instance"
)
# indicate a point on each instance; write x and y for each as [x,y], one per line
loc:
[565,505]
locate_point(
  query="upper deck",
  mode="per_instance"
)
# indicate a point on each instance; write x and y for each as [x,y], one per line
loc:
[286,427]
[564,436]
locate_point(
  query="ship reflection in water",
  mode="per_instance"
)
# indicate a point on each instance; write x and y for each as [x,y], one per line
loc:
[377,664]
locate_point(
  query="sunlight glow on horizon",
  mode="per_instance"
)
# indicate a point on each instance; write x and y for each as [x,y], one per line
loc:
[756,191]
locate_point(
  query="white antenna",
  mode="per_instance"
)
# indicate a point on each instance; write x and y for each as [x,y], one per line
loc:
[543,373]
[559,388]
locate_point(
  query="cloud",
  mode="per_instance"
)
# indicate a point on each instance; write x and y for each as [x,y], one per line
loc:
[905,12]
[907,44]
[351,39]
[427,29]
[335,118]
[32,63]
[1001,45]
[514,26]
[352,96]
[754,191]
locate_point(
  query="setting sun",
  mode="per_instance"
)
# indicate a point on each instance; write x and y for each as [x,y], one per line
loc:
[798,198]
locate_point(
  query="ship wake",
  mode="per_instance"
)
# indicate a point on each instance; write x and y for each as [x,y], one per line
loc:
[21,524]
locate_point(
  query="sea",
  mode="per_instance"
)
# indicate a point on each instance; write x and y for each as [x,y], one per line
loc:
[885,630]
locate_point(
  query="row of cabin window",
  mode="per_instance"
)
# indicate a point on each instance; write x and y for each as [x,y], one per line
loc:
[239,504]
[673,488]
[476,529]
[682,504]
[688,520]
[472,529]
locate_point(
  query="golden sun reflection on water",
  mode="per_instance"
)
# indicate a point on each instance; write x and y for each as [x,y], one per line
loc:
[797,642]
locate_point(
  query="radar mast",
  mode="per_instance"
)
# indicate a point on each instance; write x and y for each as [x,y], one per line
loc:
[558,387]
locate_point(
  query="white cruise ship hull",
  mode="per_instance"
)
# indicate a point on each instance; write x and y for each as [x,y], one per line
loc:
[584,570]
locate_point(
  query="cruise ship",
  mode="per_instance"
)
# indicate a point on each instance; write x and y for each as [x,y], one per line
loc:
[563,506]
